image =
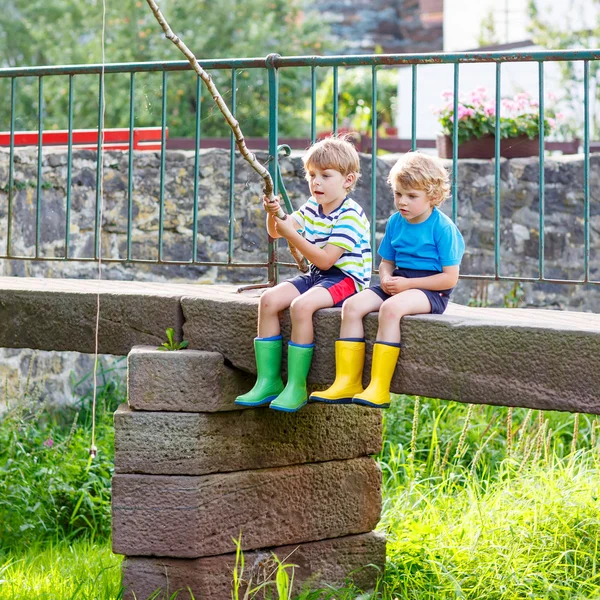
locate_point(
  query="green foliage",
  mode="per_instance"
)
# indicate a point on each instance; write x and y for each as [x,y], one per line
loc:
[355,99]
[564,34]
[477,116]
[58,32]
[50,489]
[478,502]
[171,344]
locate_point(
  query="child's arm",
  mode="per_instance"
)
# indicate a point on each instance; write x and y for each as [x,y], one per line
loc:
[445,280]
[323,258]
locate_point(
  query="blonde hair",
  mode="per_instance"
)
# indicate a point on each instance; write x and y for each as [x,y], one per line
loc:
[418,171]
[334,153]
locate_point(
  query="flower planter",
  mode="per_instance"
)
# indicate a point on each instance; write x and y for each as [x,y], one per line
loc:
[485,147]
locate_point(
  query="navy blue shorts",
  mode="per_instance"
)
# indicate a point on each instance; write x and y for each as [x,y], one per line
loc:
[334,280]
[438,299]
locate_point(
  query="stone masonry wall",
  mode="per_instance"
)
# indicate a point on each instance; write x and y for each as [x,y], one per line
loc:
[193,472]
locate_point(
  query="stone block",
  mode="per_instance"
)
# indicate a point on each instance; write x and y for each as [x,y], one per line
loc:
[161,443]
[186,380]
[358,558]
[190,517]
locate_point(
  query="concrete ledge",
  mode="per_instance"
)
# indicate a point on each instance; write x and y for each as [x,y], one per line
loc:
[522,357]
[359,558]
[191,517]
[190,381]
[163,443]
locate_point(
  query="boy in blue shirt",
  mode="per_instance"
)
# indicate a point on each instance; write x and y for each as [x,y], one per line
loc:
[421,253]
[332,231]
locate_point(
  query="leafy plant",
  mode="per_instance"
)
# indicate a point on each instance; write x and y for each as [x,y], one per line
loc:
[49,489]
[171,344]
[355,99]
[477,116]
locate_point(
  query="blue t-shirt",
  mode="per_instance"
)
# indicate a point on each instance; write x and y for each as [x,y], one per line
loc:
[430,245]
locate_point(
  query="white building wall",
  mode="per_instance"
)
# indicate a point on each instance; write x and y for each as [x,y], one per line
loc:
[432,80]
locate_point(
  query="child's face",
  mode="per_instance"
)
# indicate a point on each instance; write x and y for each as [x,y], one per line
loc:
[328,186]
[414,205]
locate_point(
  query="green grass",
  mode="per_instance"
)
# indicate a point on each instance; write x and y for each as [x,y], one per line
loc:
[478,502]
[79,570]
[479,522]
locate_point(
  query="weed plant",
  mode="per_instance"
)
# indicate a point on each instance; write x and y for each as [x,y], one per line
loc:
[50,489]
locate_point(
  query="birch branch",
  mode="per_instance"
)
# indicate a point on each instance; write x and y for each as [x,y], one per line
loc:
[231,120]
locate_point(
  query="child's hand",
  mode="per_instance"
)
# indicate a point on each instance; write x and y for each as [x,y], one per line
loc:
[286,227]
[271,206]
[395,285]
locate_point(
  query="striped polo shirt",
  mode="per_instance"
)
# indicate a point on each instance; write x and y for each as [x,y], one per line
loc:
[347,227]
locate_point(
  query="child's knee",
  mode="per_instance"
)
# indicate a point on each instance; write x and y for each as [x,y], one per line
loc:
[269,302]
[301,309]
[390,311]
[352,310]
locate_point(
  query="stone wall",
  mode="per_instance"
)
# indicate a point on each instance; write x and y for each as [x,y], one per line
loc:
[519,222]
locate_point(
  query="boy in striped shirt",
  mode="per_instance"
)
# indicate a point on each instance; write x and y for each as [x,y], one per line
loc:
[332,231]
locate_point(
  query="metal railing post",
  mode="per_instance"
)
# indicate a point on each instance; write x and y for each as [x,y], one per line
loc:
[273,271]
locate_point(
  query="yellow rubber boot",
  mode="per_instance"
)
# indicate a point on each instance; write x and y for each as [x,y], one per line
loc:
[349,362]
[377,394]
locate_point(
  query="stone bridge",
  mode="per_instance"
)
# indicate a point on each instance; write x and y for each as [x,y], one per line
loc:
[192,471]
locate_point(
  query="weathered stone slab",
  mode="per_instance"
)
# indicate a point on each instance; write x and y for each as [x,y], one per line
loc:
[190,517]
[162,443]
[60,314]
[548,360]
[522,357]
[187,380]
[358,558]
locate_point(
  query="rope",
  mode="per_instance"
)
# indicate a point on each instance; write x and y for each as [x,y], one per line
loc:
[93,448]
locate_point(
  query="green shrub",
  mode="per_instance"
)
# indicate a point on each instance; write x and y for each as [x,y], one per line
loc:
[50,487]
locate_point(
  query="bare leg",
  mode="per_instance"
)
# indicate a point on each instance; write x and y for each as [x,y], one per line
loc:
[302,311]
[410,302]
[354,310]
[272,302]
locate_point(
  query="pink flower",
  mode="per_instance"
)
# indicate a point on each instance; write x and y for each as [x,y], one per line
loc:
[49,443]
[489,110]
[559,116]
[552,96]
[447,94]
[551,122]
[508,105]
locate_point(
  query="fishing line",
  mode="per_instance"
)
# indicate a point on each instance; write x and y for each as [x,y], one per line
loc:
[93,448]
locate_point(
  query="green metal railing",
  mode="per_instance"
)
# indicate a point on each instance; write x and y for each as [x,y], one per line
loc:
[273,65]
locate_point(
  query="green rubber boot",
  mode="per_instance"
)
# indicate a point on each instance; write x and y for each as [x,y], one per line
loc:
[268,368]
[295,396]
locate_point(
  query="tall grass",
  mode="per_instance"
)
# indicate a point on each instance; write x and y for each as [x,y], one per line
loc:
[486,523]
